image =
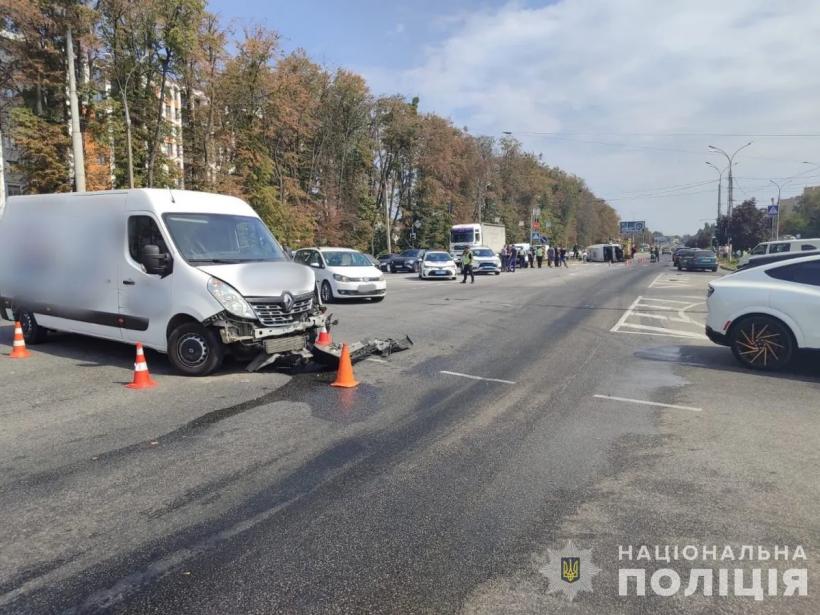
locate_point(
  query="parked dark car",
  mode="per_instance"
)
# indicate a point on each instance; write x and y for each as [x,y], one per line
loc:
[385,260]
[698,260]
[680,252]
[407,261]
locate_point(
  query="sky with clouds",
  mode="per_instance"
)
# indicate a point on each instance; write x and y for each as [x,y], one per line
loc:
[627,94]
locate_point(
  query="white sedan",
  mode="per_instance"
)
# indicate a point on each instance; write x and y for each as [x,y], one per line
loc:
[436,264]
[342,273]
[766,314]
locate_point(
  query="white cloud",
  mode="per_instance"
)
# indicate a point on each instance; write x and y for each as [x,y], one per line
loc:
[605,68]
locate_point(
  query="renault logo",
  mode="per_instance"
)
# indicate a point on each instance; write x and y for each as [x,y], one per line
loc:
[287,302]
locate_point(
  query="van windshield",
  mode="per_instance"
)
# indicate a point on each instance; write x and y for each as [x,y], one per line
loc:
[221,238]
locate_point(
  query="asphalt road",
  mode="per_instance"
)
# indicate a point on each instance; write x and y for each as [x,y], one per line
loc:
[425,489]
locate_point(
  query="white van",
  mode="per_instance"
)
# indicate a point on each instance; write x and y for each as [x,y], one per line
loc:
[780,247]
[604,253]
[186,273]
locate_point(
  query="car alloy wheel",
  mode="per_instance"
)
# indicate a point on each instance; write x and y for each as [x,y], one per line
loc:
[762,342]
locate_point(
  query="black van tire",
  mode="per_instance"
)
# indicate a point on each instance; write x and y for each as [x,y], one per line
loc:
[195,350]
[32,332]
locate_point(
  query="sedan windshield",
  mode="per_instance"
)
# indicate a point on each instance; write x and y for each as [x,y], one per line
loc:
[346,259]
[439,257]
[411,253]
[704,253]
[484,252]
[221,238]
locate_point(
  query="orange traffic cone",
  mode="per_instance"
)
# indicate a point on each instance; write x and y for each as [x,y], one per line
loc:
[18,348]
[344,377]
[324,338]
[142,379]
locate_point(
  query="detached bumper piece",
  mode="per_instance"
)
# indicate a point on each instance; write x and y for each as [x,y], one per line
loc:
[329,355]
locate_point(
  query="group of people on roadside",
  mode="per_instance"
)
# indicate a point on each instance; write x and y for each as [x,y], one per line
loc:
[556,256]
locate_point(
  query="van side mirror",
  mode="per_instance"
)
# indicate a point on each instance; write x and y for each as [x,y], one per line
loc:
[154,261]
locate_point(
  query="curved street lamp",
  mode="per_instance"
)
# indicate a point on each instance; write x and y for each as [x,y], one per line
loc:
[731,185]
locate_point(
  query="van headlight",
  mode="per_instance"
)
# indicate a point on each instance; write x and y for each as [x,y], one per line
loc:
[230,299]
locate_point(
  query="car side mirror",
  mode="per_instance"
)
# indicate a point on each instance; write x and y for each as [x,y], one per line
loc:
[154,261]
[317,265]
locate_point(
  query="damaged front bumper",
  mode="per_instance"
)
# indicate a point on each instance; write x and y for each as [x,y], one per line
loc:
[293,344]
[330,354]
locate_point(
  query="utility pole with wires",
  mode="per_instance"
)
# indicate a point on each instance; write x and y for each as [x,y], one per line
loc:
[2,177]
[76,135]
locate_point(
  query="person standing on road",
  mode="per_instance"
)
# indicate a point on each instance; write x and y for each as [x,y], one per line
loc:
[550,256]
[564,257]
[505,257]
[539,255]
[513,258]
[530,256]
[467,266]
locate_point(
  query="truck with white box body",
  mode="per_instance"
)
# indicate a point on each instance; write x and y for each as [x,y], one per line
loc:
[493,236]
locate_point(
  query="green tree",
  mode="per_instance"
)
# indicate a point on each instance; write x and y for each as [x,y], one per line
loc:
[747,226]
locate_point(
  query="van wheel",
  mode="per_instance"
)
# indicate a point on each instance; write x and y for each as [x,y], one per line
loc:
[327,292]
[195,350]
[762,342]
[32,332]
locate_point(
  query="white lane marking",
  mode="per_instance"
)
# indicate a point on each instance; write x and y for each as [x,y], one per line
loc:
[664,331]
[648,403]
[665,300]
[476,377]
[661,317]
[626,315]
[679,308]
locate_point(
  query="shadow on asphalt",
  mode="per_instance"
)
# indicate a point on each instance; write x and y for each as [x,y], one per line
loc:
[805,367]
[95,352]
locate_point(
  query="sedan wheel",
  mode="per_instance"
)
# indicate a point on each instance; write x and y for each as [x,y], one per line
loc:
[762,342]
[327,293]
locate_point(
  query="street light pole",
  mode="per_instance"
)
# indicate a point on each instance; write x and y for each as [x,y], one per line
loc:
[720,189]
[776,225]
[731,199]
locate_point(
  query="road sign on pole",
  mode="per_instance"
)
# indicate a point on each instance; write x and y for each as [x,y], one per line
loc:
[632,226]
[774,210]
